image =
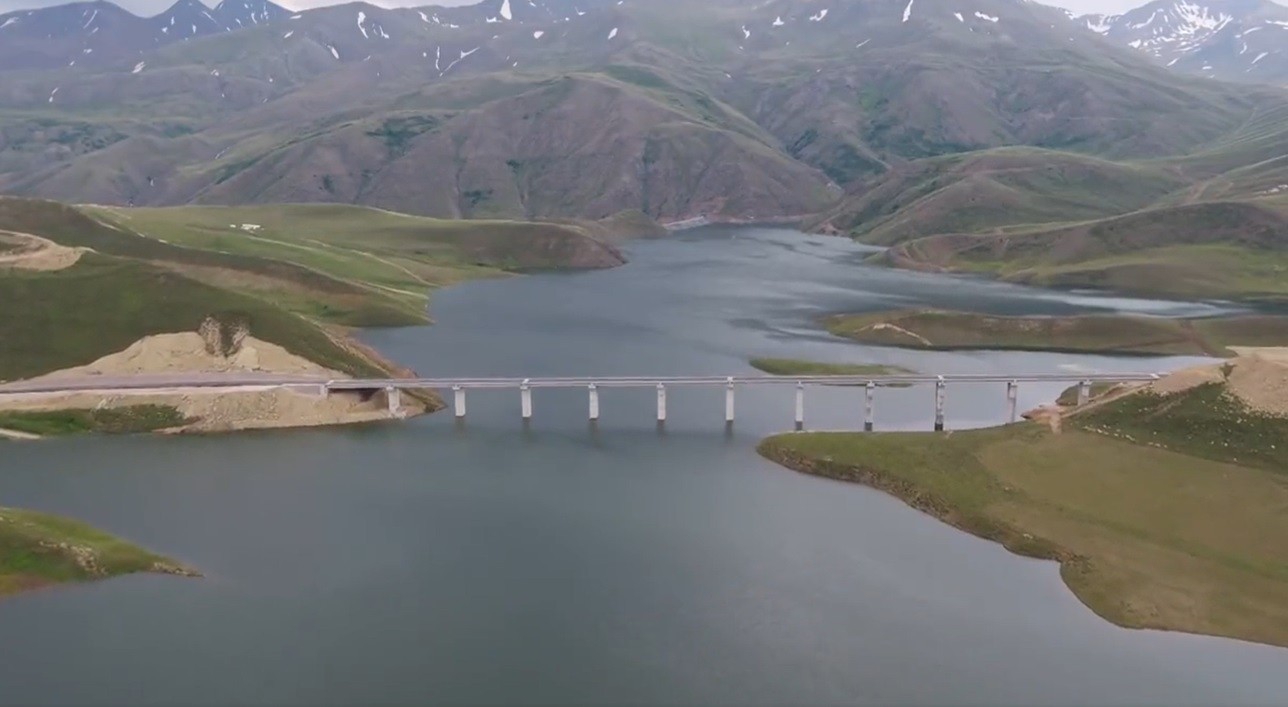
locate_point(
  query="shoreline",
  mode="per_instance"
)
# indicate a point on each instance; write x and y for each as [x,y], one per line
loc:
[1082,575]
[1161,504]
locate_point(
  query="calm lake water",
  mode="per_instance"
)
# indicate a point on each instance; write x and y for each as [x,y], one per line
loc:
[421,563]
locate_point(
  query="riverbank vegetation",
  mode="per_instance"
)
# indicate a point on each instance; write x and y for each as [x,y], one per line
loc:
[131,419]
[800,367]
[39,550]
[1120,334]
[1165,510]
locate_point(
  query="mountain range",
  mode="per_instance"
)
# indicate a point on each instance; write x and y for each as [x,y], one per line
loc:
[1237,40]
[587,108]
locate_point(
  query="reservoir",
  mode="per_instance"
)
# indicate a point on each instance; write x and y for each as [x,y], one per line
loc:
[427,562]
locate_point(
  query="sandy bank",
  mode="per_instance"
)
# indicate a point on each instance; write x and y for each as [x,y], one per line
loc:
[27,252]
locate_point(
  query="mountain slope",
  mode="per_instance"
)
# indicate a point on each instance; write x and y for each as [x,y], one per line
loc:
[995,189]
[100,34]
[561,108]
[1236,40]
[1213,249]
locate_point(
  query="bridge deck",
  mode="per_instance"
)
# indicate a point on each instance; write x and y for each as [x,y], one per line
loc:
[218,381]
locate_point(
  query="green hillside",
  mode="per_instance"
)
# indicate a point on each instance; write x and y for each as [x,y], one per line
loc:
[996,189]
[302,271]
[39,549]
[1159,519]
[1213,249]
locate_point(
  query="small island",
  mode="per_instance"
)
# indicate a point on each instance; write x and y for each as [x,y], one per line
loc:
[40,550]
[1162,503]
[800,367]
[945,330]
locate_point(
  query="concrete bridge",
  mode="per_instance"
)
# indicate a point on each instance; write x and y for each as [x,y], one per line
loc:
[460,387]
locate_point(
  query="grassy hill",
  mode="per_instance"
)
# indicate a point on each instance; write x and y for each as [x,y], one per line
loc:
[1210,249]
[291,273]
[1213,223]
[38,550]
[1117,334]
[1165,512]
[995,189]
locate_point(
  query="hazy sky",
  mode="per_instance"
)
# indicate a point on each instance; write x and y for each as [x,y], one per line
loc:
[152,7]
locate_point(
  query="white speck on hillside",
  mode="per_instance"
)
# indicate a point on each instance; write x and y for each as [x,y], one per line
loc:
[746,33]
[778,22]
[1261,56]
[959,17]
[362,17]
[52,94]
[8,22]
[822,15]
[139,67]
[613,34]
[334,53]
[288,34]
[505,10]
[988,18]
[907,11]
[538,34]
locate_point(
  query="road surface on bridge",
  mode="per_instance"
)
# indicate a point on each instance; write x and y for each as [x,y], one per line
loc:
[216,381]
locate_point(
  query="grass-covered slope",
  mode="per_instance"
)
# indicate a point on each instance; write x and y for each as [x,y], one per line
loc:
[1212,223]
[1209,249]
[103,304]
[1165,512]
[1119,334]
[287,272]
[385,263]
[801,367]
[994,189]
[39,550]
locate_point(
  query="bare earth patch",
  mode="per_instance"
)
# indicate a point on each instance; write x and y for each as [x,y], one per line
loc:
[191,353]
[26,252]
[243,408]
[1259,377]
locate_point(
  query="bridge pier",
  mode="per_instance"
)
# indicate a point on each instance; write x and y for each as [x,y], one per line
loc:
[869,407]
[729,402]
[594,402]
[940,394]
[458,401]
[525,400]
[661,404]
[1012,401]
[800,406]
[1084,393]
[393,396]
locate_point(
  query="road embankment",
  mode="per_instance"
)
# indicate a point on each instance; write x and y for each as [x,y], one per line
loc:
[194,409]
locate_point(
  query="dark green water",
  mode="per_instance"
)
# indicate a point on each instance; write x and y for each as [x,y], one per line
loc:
[421,563]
